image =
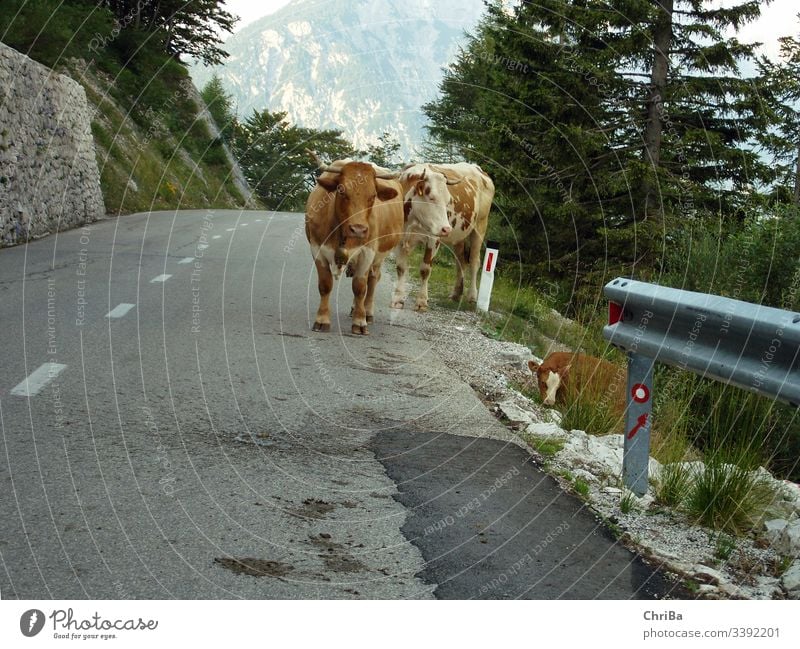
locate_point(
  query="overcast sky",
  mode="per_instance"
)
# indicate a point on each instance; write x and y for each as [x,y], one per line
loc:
[777,19]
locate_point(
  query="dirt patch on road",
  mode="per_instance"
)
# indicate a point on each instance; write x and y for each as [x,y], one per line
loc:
[335,555]
[255,567]
[313,508]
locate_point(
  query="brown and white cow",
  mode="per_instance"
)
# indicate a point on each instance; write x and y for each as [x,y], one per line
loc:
[566,374]
[354,217]
[444,204]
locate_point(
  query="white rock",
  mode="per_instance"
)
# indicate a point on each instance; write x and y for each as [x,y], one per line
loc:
[517,358]
[788,543]
[132,186]
[707,589]
[514,412]
[585,475]
[791,581]
[543,429]
[554,415]
[612,490]
[707,575]
[773,529]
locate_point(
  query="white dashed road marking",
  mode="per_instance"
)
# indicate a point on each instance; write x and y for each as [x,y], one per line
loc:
[120,310]
[36,381]
[186,260]
[217,236]
[229,229]
[160,278]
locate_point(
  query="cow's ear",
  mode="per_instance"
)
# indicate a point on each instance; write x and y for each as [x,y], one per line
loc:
[328,184]
[386,193]
[533,366]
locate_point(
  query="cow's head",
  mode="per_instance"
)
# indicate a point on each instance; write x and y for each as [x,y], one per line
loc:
[426,201]
[549,380]
[355,186]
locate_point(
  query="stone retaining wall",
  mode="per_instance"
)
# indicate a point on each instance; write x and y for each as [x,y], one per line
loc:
[49,179]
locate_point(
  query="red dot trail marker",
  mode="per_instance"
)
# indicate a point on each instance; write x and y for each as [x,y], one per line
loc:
[640,393]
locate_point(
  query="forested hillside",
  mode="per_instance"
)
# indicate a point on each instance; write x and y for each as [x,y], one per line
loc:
[154,149]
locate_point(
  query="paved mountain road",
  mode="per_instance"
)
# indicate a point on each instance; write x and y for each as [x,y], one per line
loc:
[179,415]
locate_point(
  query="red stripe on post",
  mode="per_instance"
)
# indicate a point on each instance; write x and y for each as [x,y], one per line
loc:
[614,313]
[489,258]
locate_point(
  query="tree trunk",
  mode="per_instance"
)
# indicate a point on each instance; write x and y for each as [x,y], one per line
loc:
[662,37]
[797,178]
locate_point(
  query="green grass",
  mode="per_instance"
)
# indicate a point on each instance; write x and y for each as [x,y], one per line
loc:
[627,502]
[728,497]
[674,484]
[581,487]
[548,447]
[724,546]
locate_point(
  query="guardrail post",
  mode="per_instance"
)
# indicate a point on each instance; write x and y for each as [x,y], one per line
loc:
[638,417]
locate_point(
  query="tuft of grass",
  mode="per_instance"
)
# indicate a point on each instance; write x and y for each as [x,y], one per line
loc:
[674,484]
[546,446]
[728,496]
[627,501]
[581,487]
[724,546]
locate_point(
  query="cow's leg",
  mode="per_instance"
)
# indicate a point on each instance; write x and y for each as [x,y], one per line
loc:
[424,274]
[475,241]
[372,280]
[361,271]
[325,285]
[458,287]
[399,296]
[359,313]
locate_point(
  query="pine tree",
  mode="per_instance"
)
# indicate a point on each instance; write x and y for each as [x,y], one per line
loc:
[606,123]
[782,96]
[220,105]
[271,152]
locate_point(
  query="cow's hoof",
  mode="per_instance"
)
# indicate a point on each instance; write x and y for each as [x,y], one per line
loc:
[472,299]
[322,326]
[398,304]
[370,318]
[359,330]
[422,307]
[455,296]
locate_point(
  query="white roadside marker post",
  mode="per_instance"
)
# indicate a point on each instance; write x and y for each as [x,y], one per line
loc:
[487,276]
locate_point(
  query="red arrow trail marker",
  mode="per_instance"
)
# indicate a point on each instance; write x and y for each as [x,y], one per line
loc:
[641,422]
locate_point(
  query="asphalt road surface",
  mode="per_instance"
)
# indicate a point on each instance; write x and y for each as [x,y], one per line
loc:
[172,428]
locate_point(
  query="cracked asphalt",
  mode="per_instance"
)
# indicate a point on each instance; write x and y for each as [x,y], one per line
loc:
[182,433]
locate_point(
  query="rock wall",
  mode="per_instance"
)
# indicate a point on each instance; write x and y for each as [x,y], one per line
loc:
[49,179]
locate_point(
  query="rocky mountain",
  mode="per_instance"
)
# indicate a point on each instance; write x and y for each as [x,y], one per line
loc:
[363,66]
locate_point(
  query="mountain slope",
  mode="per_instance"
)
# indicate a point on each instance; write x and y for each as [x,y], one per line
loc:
[364,66]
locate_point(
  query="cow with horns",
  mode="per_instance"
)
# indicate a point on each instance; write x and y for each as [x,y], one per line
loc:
[354,218]
[443,204]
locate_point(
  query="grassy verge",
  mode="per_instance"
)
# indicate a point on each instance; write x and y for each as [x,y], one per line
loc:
[693,419]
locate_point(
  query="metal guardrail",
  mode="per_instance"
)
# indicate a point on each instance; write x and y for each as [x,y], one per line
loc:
[754,347]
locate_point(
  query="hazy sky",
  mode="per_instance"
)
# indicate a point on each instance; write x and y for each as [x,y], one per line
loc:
[777,19]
